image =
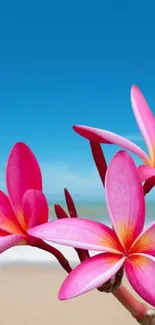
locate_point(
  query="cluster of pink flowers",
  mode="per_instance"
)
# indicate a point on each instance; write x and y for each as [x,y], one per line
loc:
[24,212]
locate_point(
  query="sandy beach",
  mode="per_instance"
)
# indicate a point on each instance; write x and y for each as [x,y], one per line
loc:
[29,296]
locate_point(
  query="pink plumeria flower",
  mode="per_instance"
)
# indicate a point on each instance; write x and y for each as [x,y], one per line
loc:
[146,122]
[25,206]
[125,245]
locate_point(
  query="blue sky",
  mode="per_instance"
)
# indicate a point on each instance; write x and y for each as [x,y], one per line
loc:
[68,63]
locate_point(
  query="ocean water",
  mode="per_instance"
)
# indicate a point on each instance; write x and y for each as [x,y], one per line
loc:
[95,211]
[98,211]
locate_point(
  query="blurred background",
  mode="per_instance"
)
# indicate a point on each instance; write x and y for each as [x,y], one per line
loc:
[64,63]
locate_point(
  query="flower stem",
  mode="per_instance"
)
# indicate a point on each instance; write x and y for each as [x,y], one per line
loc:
[48,248]
[135,307]
[82,254]
[148,185]
[70,204]
[99,159]
[61,214]
[149,317]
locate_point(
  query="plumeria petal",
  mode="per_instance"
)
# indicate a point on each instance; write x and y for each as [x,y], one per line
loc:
[145,120]
[78,233]
[107,137]
[145,172]
[10,241]
[35,208]
[8,221]
[22,173]
[4,233]
[90,274]
[125,198]
[140,271]
[145,243]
